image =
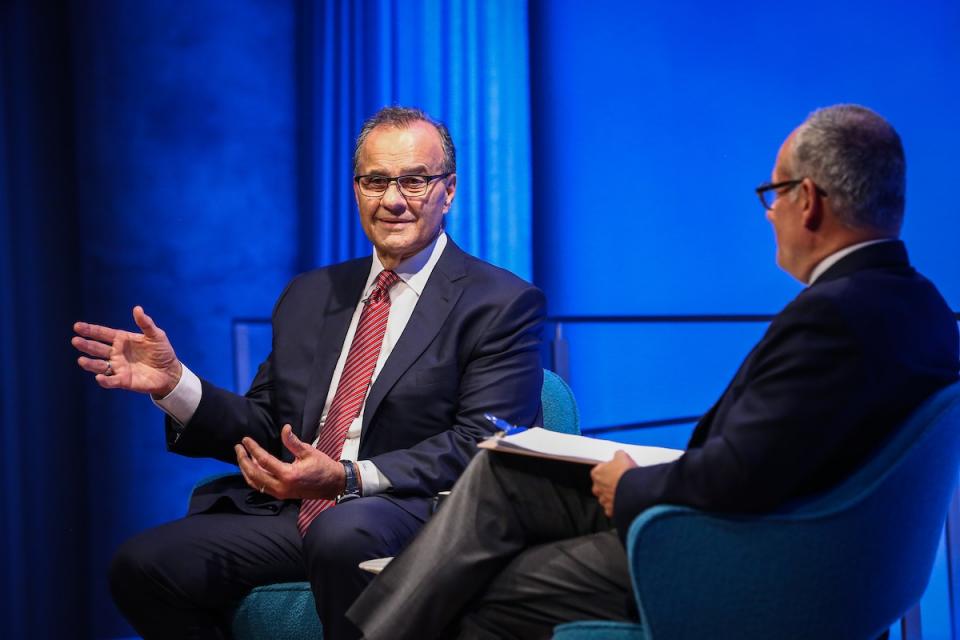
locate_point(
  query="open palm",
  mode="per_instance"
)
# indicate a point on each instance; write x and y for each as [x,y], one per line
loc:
[143,362]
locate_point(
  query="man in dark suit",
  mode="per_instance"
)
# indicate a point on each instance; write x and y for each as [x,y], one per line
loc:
[371,402]
[522,544]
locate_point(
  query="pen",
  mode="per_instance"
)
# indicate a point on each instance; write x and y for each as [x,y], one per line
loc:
[504,428]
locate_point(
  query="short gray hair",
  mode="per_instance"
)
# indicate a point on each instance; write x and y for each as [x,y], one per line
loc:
[856,156]
[401,118]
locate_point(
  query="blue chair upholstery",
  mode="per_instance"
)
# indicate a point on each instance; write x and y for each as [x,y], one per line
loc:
[560,411]
[846,564]
[286,611]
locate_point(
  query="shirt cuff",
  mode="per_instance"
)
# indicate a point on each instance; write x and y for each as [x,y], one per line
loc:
[181,403]
[372,480]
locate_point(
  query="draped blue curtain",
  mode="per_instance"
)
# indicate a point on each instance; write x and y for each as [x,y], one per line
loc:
[462,61]
[42,456]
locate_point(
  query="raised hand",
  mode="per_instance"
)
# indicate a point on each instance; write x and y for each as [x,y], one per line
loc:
[312,474]
[143,362]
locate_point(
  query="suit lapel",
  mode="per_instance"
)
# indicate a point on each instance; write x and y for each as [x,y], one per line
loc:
[331,331]
[439,296]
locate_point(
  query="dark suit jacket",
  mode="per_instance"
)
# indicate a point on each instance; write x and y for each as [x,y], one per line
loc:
[471,346]
[837,370]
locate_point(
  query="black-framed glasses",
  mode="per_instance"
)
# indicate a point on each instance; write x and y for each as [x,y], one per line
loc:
[410,186]
[769,191]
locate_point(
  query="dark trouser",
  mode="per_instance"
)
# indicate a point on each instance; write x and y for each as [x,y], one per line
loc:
[183,579]
[520,546]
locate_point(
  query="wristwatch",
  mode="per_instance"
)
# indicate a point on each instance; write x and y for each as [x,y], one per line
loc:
[351,488]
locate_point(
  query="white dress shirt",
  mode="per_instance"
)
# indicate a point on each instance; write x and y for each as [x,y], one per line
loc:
[414,272]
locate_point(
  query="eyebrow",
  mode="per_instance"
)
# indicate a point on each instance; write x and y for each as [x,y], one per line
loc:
[416,169]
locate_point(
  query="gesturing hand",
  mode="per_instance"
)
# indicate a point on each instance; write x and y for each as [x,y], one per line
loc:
[312,474]
[606,476]
[143,362]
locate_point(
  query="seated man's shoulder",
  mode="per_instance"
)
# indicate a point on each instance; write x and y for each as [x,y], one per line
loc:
[308,289]
[331,275]
[887,314]
[497,280]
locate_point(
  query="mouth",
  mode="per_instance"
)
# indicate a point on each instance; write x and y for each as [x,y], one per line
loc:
[394,222]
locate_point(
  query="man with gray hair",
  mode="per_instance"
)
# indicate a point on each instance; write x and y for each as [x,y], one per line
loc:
[523,544]
[371,402]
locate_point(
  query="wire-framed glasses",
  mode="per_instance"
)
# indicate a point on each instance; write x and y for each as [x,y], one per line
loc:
[410,186]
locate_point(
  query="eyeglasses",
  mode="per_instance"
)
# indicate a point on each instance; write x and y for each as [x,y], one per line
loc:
[769,191]
[411,186]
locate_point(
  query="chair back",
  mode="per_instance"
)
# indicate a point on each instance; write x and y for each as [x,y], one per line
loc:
[846,564]
[560,411]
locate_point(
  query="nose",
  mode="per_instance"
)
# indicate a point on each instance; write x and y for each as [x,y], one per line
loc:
[392,200]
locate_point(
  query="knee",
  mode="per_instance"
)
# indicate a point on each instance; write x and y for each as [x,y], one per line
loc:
[334,540]
[128,571]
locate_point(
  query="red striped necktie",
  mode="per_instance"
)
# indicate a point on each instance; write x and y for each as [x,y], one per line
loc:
[354,383]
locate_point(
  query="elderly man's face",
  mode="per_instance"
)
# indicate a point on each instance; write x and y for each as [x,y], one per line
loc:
[785,214]
[397,226]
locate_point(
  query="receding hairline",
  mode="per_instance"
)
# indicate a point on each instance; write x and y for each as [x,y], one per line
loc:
[402,117]
[404,127]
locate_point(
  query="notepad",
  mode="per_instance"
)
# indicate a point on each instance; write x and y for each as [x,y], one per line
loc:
[543,443]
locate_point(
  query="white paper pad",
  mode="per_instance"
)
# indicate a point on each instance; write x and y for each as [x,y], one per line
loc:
[543,443]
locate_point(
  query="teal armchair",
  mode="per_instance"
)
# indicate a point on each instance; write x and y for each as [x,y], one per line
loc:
[846,564]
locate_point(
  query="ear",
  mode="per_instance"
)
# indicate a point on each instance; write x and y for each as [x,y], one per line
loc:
[450,190]
[812,215]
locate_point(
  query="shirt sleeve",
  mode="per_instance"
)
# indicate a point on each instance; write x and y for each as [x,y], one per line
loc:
[373,481]
[181,403]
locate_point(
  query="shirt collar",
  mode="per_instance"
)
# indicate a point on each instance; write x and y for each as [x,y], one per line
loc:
[415,270]
[835,257]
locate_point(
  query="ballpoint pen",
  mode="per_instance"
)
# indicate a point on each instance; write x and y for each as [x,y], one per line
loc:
[504,428]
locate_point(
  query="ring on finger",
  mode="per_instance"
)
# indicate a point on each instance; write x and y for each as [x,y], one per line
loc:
[262,487]
[109,370]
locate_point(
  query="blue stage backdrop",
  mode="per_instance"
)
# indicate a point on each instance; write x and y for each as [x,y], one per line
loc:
[193,156]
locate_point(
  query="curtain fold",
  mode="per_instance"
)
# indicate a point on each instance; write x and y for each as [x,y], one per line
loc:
[42,450]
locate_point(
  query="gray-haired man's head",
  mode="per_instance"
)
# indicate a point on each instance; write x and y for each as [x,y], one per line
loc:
[856,157]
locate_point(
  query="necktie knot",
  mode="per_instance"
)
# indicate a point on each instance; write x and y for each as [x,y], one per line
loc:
[385,280]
